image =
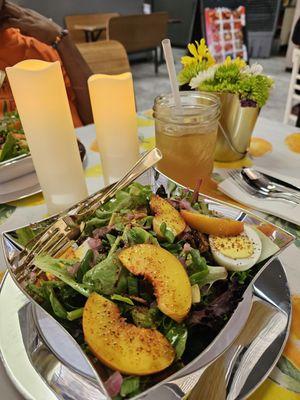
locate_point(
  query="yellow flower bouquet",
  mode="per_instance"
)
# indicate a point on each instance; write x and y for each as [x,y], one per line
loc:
[243,90]
[200,71]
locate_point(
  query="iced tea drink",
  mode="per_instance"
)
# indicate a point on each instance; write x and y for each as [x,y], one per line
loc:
[187,136]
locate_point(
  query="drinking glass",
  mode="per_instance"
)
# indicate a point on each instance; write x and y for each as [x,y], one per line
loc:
[187,136]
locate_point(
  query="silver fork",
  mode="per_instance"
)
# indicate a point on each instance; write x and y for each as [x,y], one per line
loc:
[58,237]
[237,177]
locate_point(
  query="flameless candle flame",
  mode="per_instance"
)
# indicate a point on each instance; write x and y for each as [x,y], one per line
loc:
[40,95]
[112,99]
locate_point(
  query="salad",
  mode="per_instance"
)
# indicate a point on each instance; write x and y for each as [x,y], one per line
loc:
[149,283]
[13,141]
[12,138]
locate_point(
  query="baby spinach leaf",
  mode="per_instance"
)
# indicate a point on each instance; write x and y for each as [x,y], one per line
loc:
[58,267]
[198,263]
[208,276]
[139,235]
[103,276]
[146,222]
[94,223]
[132,283]
[123,299]
[167,233]
[122,286]
[85,265]
[177,336]
[198,277]
[111,238]
[57,307]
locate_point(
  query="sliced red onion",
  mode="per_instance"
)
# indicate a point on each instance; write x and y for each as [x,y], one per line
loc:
[182,262]
[72,269]
[138,215]
[113,384]
[185,204]
[187,229]
[101,232]
[32,277]
[187,247]
[196,191]
[96,255]
[173,202]
[94,243]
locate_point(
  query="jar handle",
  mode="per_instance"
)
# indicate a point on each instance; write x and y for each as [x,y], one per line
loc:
[229,142]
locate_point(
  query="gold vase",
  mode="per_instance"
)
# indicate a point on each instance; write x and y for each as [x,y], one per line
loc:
[236,125]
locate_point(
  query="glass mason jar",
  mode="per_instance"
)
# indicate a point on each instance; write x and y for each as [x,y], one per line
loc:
[187,136]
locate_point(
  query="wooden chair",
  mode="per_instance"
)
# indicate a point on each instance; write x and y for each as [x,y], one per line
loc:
[78,36]
[105,57]
[292,96]
[139,33]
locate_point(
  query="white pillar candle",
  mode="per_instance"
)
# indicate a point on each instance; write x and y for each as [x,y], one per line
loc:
[112,99]
[40,95]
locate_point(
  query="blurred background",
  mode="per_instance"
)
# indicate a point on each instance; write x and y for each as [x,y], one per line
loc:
[267,31]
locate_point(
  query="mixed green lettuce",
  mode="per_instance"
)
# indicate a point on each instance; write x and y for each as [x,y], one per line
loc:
[12,139]
[63,285]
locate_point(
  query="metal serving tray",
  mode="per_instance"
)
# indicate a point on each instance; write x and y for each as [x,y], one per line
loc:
[57,363]
[18,178]
[16,167]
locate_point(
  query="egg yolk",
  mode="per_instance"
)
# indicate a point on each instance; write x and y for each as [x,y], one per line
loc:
[234,246]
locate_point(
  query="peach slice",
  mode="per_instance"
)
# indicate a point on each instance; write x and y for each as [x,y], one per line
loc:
[122,346]
[212,225]
[171,284]
[166,213]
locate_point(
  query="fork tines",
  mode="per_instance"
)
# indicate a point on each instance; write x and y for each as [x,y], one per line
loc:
[55,241]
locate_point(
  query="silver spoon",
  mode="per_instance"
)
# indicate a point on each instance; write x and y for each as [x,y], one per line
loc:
[261,182]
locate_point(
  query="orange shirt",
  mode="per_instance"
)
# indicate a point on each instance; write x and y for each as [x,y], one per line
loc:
[14,47]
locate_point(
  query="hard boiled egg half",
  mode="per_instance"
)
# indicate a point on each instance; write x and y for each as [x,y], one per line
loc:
[236,253]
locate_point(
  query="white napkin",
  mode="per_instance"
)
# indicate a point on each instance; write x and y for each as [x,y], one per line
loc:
[284,178]
[282,209]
